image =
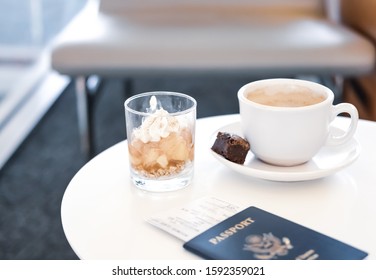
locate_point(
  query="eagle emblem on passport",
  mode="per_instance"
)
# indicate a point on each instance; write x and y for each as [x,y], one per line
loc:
[267,246]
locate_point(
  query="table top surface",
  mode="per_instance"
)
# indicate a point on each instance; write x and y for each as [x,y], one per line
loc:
[104,215]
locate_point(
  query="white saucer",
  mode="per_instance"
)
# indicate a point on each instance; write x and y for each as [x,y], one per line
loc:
[329,160]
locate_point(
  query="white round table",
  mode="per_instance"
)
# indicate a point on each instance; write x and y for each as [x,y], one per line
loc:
[103,214]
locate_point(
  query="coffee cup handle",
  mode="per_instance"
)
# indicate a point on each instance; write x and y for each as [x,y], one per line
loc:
[349,133]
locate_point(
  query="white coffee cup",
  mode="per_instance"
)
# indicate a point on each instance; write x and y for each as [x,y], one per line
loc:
[290,134]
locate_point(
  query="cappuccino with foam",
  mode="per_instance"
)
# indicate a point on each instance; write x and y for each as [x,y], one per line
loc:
[296,121]
[288,96]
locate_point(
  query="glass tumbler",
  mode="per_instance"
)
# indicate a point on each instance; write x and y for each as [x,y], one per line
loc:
[161,139]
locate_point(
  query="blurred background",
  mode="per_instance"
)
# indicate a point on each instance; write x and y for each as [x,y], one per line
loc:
[29,218]
[39,141]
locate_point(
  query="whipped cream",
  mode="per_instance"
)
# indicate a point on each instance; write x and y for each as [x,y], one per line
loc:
[156,126]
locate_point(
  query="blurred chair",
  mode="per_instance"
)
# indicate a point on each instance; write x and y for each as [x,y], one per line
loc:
[360,90]
[261,39]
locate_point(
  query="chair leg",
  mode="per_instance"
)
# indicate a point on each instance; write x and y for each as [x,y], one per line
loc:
[84,113]
[128,87]
[339,85]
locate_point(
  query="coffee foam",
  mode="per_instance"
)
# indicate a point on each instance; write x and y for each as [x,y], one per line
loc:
[285,96]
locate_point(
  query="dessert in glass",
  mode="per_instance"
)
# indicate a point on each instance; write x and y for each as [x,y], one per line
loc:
[160,133]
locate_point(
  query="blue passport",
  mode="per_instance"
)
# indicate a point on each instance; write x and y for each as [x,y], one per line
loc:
[255,234]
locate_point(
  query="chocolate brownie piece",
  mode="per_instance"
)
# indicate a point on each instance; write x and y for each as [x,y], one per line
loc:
[231,146]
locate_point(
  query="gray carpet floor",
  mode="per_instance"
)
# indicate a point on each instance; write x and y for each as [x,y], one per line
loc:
[33,181]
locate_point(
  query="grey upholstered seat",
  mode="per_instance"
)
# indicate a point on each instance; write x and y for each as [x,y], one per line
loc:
[124,38]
